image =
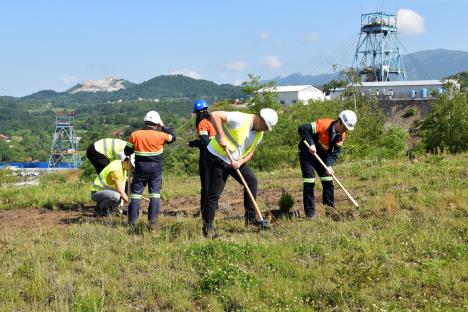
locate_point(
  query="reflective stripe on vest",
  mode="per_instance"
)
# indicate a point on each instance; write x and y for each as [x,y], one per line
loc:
[238,138]
[110,147]
[100,183]
[150,153]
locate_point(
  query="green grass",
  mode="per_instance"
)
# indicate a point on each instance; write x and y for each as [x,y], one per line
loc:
[406,249]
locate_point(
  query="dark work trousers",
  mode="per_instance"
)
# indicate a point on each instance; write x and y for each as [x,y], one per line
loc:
[203,170]
[98,160]
[308,164]
[149,172]
[218,173]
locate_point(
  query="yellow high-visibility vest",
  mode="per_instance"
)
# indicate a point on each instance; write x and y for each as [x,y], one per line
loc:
[101,183]
[238,139]
[110,147]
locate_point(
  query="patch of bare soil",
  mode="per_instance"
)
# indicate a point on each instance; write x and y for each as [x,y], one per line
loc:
[34,218]
[231,205]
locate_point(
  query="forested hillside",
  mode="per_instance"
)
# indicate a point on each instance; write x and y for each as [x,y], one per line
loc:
[161,87]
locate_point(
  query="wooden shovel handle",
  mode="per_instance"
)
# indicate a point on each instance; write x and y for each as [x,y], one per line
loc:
[252,199]
[334,177]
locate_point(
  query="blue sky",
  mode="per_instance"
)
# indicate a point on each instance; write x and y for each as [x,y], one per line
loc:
[55,44]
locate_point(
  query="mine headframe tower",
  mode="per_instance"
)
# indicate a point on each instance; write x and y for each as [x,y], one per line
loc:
[377,56]
[64,152]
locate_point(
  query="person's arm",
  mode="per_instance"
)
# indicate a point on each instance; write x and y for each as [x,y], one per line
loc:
[333,153]
[218,118]
[203,130]
[129,149]
[171,134]
[119,183]
[121,190]
[306,131]
[202,142]
[236,164]
[194,143]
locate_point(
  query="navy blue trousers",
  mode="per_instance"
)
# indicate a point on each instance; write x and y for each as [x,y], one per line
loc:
[309,164]
[150,173]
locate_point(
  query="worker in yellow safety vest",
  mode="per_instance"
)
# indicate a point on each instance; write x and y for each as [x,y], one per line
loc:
[102,152]
[108,189]
[239,133]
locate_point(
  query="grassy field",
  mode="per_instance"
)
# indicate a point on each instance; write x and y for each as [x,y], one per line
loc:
[405,249]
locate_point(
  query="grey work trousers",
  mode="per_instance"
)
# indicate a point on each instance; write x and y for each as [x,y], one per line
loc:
[106,200]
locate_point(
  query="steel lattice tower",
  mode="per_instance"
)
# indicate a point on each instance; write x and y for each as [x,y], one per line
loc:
[377,55]
[64,152]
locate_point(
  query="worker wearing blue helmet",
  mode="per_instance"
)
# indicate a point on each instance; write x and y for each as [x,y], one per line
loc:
[205,131]
[199,105]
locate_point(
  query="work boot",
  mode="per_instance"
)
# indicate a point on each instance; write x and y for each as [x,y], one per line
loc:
[151,227]
[208,230]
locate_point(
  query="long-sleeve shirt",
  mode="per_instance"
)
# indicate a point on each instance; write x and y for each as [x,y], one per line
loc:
[322,134]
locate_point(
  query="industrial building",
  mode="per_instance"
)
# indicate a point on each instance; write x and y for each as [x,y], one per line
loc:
[400,90]
[288,95]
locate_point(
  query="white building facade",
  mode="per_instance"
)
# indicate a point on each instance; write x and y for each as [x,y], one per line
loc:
[400,90]
[288,95]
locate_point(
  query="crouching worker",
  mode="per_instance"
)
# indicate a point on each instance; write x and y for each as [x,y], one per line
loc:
[108,189]
[102,152]
[325,137]
[240,133]
[147,144]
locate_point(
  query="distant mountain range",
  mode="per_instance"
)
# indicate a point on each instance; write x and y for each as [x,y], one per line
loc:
[427,64]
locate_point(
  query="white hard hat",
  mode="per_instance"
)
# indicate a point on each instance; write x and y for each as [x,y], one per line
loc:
[132,160]
[153,117]
[269,116]
[349,119]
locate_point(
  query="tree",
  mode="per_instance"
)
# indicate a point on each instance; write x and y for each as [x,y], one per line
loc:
[446,125]
[267,98]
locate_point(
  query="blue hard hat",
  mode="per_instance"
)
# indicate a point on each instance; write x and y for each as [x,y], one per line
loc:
[198,105]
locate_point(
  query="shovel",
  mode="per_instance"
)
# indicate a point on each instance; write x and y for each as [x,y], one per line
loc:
[261,222]
[334,177]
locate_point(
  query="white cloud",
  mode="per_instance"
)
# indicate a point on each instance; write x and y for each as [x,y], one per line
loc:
[187,72]
[312,37]
[410,22]
[70,80]
[263,35]
[236,66]
[272,62]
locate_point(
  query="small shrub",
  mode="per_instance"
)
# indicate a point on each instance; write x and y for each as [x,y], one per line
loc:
[409,112]
[286,201]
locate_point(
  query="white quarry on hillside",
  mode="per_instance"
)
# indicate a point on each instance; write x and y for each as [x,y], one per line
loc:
[108,84]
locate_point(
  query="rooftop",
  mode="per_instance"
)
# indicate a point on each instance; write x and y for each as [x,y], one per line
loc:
[291,88]
[403,83]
